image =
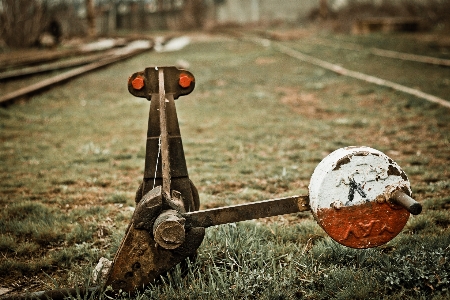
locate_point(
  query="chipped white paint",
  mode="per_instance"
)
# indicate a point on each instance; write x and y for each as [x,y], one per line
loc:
[354,175]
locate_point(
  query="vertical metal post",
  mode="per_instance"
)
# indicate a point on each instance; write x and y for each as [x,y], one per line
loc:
[165,168]
[164,137]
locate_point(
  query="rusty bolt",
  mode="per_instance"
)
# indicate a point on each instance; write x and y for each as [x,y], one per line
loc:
[185,81]
[138,82]
[168,229]
[172,233]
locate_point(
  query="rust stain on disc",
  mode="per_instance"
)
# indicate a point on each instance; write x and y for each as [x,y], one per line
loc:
[363,226]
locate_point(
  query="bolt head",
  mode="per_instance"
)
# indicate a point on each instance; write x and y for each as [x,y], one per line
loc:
[185,80]
[170,234]
[138,82]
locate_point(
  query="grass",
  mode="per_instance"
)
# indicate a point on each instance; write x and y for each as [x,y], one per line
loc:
[251,261]
[255,127]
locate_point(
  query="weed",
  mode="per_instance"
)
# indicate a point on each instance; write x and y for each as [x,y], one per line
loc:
[117,198]
[437,203]
[81,233]
[7,243]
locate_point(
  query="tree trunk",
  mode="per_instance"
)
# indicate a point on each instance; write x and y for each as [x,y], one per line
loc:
[323,10]
[193,16]
[90,16]
[21,22]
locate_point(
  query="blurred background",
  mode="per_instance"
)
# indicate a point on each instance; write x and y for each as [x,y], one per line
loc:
[46,23]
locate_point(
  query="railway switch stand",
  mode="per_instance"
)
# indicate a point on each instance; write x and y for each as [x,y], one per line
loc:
[358,195]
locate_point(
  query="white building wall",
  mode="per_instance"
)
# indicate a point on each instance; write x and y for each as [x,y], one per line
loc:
[248,11]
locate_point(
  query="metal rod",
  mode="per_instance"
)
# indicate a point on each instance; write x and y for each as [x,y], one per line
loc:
[411,205]
[164,138]
[247,211]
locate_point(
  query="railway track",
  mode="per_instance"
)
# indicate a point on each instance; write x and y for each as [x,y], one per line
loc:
[421,76]
[75,62]
[383,52]
[380,66]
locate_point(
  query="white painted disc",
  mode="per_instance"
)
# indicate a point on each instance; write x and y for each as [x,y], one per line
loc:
[349,189]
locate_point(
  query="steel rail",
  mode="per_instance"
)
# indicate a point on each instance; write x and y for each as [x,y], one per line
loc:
[36,58]
[382,52]
[39,57]
[73,62]
[343,71]
[119,54]
[361,76]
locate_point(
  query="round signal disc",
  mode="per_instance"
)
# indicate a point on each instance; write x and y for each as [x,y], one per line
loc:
[349,192]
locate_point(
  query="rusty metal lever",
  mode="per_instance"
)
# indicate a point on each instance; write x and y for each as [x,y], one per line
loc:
[247,211]
[164,136]
[348,194]
[157,239]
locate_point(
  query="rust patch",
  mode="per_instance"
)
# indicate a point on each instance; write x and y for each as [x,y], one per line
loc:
[403,175]
[363,226]
[394,171]
[342,161]
[346,159]
[362,153]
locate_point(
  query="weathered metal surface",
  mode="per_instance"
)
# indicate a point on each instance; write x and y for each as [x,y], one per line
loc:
[166,80]
[247,211]
[165,161]
[148,209]
[140,261]
[180,184]
[350,194]
[157,239]
[140,258]
[168,229]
